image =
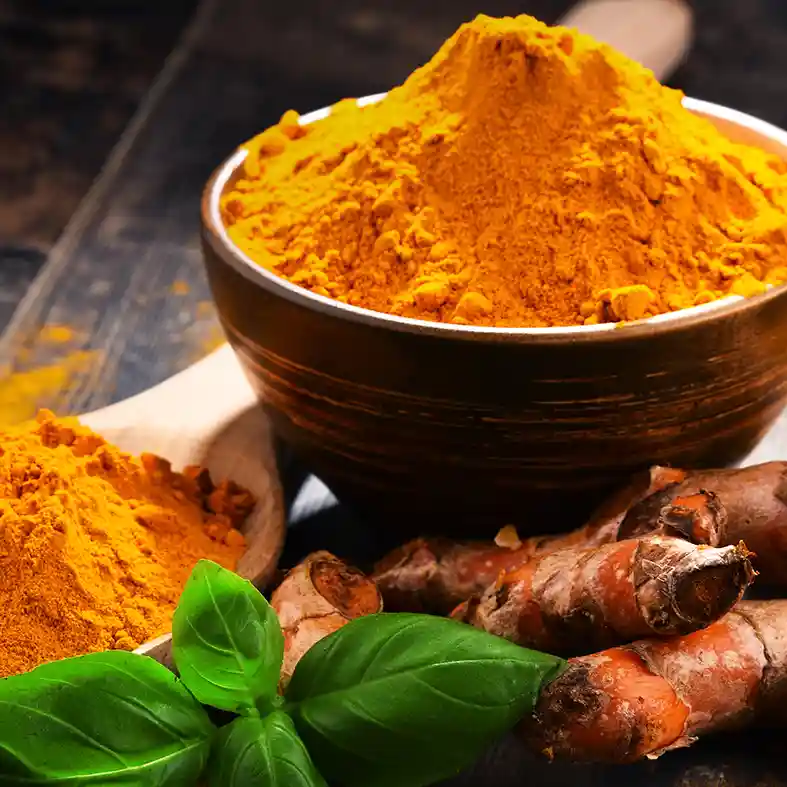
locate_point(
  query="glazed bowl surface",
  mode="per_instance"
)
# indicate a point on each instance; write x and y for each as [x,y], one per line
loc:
[462,429]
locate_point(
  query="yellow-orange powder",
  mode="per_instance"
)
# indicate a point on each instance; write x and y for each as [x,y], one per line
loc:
[526,176]
[96,545]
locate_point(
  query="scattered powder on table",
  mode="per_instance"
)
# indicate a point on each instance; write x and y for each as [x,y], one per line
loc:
[26,387]
[55,333]
[95,544]
[526,176]
[23,392]
[180,287]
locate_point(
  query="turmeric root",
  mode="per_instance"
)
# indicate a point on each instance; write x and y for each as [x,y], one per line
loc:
[319,596]
[604,524]
[576,601]
[726,506]
[716,507]
[434,575]
[642,699]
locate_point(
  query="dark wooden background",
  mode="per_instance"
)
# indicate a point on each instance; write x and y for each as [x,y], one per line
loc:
[114,113]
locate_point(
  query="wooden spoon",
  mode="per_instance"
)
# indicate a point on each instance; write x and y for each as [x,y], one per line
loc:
[208,415]
[655,33]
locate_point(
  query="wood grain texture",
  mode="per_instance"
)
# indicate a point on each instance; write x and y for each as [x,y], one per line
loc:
[71,75]
[126,275]
[19,265]
[208,415]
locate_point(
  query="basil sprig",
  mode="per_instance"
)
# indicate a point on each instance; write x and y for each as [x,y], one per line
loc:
[386,701]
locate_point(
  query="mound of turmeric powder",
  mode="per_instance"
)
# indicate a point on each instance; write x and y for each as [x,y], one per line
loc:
[526,176]
[96,545]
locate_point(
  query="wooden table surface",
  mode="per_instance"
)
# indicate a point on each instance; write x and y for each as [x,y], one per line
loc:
[126,281]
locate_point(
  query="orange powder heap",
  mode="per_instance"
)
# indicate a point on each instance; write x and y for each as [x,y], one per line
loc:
[526,176]
[95,544]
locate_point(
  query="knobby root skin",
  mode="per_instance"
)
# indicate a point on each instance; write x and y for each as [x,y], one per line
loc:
[434,575]
[700,517]
[715,507]
[642,699]
[604,524]
[576,601]
[725,507]
[317,597]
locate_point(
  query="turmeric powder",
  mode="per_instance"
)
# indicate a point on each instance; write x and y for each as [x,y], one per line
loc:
[96,545]
[526,176]
[23,392]
[28,384]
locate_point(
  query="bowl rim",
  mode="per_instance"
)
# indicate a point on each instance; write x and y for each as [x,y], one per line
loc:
[215,233]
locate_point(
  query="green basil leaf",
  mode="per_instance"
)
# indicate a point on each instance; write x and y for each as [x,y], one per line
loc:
[226,641]
[101,719]
[265,752]
[390,700]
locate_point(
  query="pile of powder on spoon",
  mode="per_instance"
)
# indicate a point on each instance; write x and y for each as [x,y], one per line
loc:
[95,544]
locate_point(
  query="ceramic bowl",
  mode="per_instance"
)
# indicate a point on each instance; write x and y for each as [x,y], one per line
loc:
[460,428]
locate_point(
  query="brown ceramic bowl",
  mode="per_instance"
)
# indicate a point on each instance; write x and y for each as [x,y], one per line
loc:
[456,427]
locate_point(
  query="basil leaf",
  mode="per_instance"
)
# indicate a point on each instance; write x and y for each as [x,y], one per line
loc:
[103,719]
[264,752]
[408,699]
[226,641]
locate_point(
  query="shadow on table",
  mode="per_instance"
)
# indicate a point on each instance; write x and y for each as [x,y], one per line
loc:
[743,760]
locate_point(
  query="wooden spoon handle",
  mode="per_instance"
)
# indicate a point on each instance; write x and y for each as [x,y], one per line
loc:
[181,413]
[656,33]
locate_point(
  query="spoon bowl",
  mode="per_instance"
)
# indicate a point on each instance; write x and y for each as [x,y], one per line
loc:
[207,415]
